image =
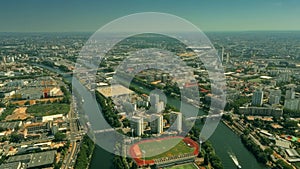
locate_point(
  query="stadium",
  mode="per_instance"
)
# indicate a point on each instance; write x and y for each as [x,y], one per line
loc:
[164,152]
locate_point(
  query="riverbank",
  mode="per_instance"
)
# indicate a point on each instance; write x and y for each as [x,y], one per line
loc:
[85,153]
[232,127]
[252,144]
[223,139]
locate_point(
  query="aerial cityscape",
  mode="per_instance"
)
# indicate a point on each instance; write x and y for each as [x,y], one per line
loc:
[75,98]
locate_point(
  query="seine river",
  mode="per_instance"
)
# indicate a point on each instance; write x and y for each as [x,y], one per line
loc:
[223,140]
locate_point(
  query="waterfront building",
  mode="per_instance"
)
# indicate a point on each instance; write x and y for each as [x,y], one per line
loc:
[261,111]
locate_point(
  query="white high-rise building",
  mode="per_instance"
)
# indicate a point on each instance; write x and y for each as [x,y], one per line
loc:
[284,76]
[222,54]
[176,121]
[275,96]
[227,57]
[257,98]
[156,105]
[154,99]
[4,59]
[290,94]
[159,107]
[137,125]
[157,124]
[292,104]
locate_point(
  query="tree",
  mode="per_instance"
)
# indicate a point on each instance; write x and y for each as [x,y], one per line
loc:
[2,104]
[2,129]
[15,138]
[268,151]
[291,124]
[58,165]
[283,164]
[27,103]
[3,139]
[126,122]
[206,159]
[59,136]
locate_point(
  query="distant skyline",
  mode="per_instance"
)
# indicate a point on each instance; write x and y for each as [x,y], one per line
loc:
[89,16]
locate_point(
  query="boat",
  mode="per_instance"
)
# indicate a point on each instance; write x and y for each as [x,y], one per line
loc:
[235,160]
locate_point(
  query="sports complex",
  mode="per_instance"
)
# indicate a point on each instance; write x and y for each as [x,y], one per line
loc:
[164,152]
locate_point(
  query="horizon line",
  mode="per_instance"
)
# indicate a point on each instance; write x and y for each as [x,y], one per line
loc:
[217,31]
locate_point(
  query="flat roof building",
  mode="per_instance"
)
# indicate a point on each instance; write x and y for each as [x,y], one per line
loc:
[35,160]
[114,90]
[14,165]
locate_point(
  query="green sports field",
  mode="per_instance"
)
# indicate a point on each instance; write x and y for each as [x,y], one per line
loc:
[183,166]
[164,148]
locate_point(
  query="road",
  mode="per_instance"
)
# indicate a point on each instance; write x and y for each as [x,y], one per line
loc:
[73,136]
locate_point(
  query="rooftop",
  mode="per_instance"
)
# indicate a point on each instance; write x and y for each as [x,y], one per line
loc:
[115,90]
[15,165]
[34,159]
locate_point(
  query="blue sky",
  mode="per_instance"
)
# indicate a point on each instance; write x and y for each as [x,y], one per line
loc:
[208,15]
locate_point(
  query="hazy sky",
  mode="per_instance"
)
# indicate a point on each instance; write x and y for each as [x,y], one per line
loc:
[208,15]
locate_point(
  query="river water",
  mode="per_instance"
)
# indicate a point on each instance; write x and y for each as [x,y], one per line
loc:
[223,140]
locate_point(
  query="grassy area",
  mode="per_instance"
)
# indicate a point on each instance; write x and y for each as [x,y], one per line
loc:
[255,80]
[48,109]
[297,164]
[183,166]
[167,147]
[6,113]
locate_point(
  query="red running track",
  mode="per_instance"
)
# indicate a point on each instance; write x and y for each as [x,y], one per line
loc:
[135,152]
